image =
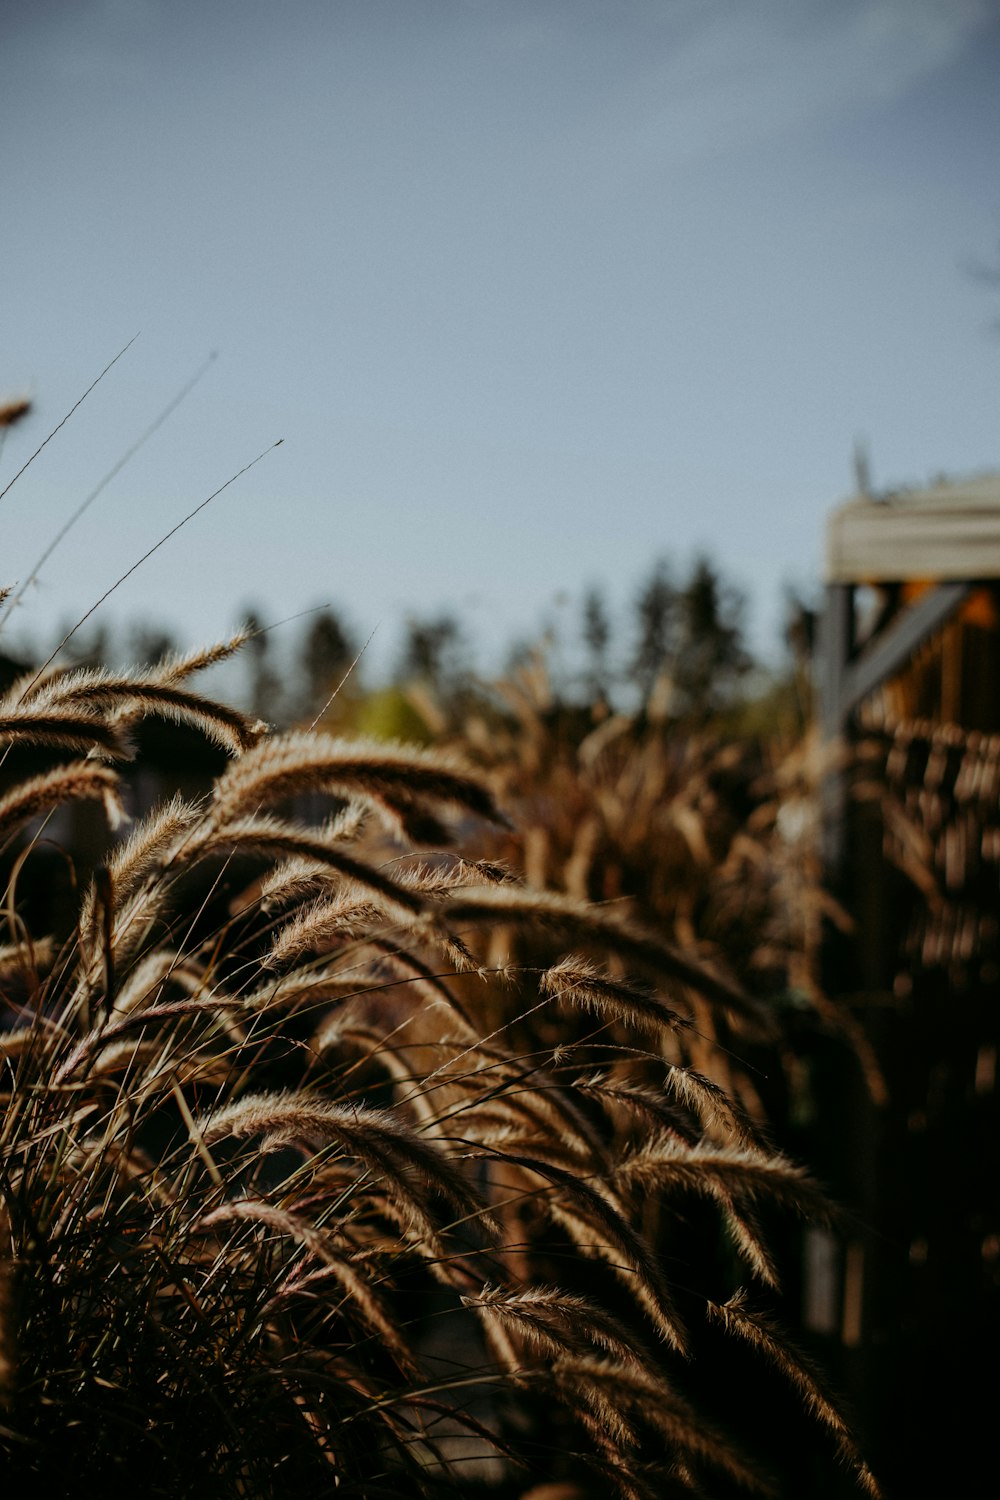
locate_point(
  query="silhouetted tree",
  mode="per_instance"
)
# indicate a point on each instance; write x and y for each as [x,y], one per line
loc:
[711,656]
[86,650]
[596,633]
[690,646]
[656,618]
[266,694]
[433,654]
[148,644]
[326,653]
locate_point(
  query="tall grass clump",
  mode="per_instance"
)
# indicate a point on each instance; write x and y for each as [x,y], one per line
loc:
[317,1177]
[282,1212]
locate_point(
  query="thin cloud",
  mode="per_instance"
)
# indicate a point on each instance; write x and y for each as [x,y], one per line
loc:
[723,77]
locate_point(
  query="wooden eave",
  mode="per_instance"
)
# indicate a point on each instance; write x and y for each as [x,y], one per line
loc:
[951,531]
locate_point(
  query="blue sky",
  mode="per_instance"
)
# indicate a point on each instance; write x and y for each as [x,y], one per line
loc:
[533,292]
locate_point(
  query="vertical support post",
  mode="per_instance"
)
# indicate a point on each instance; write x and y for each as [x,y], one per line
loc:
[836,649]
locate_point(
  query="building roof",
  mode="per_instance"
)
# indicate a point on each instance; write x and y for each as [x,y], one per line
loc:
[947,531]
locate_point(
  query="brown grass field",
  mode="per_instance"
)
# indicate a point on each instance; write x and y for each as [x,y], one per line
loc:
[344,1150]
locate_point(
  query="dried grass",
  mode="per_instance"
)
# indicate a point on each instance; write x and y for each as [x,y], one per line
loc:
[267,1129]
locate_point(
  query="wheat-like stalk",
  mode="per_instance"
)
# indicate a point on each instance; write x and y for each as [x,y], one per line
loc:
[273,1117]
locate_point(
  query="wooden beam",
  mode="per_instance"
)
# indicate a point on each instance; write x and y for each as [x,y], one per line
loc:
[892,648]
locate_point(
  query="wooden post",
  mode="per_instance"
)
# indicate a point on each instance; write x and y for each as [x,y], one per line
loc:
[836,645]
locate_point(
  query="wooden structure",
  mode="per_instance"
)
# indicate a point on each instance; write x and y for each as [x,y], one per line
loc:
[909,686]
[928,559]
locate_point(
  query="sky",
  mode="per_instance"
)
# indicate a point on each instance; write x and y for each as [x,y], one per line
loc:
[534,292]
